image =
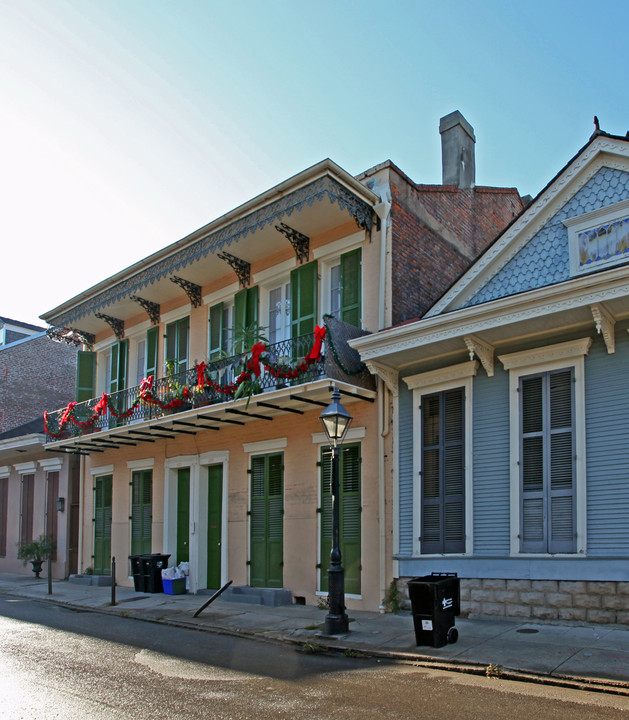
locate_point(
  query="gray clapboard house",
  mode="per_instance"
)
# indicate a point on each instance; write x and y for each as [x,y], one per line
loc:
[510,409]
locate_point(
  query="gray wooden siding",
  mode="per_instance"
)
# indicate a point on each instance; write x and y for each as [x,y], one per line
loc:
[607,446]
[490,439]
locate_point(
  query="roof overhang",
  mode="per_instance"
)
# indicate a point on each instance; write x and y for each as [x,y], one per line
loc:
[587,303]
[21,447]
[324,196]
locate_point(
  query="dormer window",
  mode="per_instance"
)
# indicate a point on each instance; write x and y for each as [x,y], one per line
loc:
[599,239]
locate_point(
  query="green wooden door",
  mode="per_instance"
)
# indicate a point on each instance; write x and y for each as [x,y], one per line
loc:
[267,520]
[303,293]
[183,515]
[214,525]
[102,525]
[119,354]
[245,319]
[141,511]
[152,342]
[350,515]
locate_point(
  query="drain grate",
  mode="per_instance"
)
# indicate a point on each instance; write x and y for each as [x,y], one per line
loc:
[528,631]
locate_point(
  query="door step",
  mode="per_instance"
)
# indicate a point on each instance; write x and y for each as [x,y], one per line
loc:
[271,597]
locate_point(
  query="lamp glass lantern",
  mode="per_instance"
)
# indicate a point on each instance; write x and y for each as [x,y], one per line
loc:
[335,420]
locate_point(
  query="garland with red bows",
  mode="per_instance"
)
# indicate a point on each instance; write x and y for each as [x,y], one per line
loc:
[146,396]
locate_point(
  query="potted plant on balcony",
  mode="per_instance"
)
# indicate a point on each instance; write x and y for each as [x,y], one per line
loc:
[35,552]
[177,396]
[251,337]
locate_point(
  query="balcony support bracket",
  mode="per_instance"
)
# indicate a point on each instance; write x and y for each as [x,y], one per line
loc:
[151,308]
[115,324]
[299,241]
[192,290]
[241,267]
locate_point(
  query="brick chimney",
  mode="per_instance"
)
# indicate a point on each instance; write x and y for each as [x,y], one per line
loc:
[457,151]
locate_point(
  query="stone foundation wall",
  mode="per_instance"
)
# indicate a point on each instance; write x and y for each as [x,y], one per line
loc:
[563,600]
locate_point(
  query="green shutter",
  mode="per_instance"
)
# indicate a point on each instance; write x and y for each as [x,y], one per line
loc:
[245,313]
[102,525]
[119,354]
[183,515]
[152,344]
[141,511]
[267,520]
[350,515]
[177,335]
[85,375]
[303,293]
[351,287]
[216,332]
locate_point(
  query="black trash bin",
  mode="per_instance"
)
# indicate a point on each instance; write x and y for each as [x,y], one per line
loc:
[137,572]
[435,601]
[152,566]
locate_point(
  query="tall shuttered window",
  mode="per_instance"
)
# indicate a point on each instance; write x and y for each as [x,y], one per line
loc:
[267,520]
[4,512]
[177,334]
[26,508]
[141,511]
[547,462]
[350,512]
[443,472]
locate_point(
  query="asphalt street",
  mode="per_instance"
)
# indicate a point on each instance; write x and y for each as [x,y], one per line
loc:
[57,662]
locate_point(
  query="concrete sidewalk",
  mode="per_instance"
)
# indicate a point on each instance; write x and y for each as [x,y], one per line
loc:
[592,656]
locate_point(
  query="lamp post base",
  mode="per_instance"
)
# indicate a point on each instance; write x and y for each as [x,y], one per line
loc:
[336,624]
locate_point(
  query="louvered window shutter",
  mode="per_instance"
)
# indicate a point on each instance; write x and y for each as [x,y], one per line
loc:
[547,462]
[141,511]
[85,375]
[152,335]
[443,472]
[216,331]
[303,293]
[351,287]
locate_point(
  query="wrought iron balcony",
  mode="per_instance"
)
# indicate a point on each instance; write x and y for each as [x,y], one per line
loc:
[285,364]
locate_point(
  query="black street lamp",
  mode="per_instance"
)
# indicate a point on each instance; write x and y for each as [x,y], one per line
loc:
[336,421]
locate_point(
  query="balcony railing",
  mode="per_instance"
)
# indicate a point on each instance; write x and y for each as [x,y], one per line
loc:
[281,365]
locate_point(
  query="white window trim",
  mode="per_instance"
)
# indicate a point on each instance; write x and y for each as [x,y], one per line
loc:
[589,221]
[102,470]
[5,471]
[26,468]
[144,464]
[265,446]
[433,381]
[51,465]
[553,357]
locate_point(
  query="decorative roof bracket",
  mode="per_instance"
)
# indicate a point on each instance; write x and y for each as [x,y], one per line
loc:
[151,308]
[71,336]
[115,324]
[388,375]
[299,241]
[241,267]
[483,351]
[605,322]
[192,290]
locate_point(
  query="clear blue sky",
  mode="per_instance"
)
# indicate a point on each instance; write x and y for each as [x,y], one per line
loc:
[127,124]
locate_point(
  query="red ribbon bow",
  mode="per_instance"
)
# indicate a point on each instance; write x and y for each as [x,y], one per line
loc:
[254,363]
[201,375]
[145,387]
[315,353]
[101,407]
[66,413]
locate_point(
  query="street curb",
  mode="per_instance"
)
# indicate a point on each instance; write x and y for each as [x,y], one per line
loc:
[612,687]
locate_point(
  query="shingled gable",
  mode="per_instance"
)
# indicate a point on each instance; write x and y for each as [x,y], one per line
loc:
[603,154]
